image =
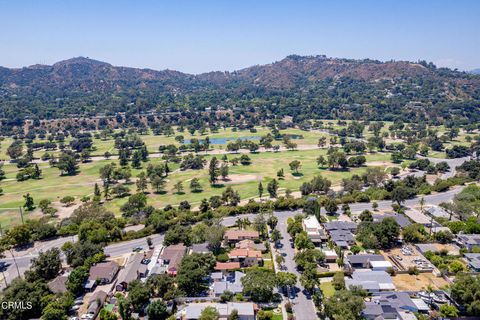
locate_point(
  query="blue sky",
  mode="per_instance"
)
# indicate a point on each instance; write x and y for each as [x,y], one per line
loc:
[202,35]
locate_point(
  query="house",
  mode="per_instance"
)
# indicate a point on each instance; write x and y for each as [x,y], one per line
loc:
[104,272]
[96,303]
[58,285]
[473,260]
[153,265]
[418,217]
[246,310]
[342,238]
[233,236]
[224,267]
[199,248]
[371,281]
[330,256]
[313,229]
[250,244]
[133,270]
[246,257]
[399,218]
[230,282]
[437,212]
[468,240]
[364,261]
[395,305]
[341,225]
[341,233]
[172,256]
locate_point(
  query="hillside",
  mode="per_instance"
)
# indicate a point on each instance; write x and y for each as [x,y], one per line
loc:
[86,86]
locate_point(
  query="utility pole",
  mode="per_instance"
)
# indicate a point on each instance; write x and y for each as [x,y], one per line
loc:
[21,214]
[15,261]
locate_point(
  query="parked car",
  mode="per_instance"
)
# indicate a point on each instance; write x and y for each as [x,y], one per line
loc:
[137,249]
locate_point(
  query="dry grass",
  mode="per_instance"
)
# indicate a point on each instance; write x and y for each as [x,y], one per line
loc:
[406,282]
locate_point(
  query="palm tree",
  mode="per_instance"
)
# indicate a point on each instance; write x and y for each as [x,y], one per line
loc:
[422,203]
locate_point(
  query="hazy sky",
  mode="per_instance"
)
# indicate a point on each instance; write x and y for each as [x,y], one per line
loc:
[201,35]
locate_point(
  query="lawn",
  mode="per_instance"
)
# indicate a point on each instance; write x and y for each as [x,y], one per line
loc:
[327,289]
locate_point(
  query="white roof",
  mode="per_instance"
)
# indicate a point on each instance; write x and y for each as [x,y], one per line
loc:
[380,264]
[386,286]
[420,304]
[330,253]
[417,216]
[407,315]
[311,222]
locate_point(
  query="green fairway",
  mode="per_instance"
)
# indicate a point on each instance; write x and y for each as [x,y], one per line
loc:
[244,179]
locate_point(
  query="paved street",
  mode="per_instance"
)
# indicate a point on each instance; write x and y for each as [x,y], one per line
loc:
[303,307]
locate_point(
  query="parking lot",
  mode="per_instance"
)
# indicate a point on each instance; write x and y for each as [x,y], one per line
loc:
[407,257]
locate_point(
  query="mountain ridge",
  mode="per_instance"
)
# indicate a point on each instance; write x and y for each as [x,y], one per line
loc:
[91,86]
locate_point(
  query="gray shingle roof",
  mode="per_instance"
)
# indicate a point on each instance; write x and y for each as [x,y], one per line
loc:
[340,225]
[399,218]
[364,258]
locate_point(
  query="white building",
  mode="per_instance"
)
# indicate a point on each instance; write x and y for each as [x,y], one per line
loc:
[313,228]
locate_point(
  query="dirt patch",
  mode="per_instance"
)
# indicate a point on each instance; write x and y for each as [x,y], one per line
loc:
[380,164]
[62,211]
[65,212]
[241,178]
[406,282]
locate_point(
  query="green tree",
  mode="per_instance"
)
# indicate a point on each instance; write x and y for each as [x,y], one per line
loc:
[29,204]
[142,182]
[260,189]
[286,279]
[76,279]
[67,164]
[338,280]
[259,284]
[195,185]
[23,290]
[272,188]
[213,170]
[400,194]
[19,235]
[46,266]
[178,187]
[224,171]
[309,277]
[209,313]
[331,206]
[193,271]
[138,295]
[294,166]
[414,233]
[344,305]
[157,310]
[302,241]
[449,311]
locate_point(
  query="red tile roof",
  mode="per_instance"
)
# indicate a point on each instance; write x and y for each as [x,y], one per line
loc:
[227,265]
[241,234]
